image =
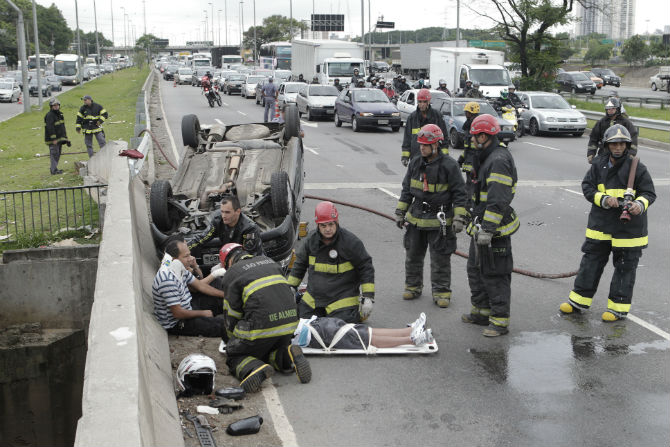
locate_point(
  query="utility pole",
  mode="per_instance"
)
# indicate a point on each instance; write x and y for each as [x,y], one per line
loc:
[458,42]
[225,18]
[255,44]
[37,56]
[241,28]
[124,27]
[111,5]
[290,23]
[369,36]
[218,12]
[81,73]
[212,7]
[363,22]
[97,41]
[144,8]
[21,37]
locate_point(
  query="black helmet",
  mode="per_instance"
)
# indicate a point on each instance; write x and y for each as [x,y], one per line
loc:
[617,134]
[613,103]
[336,81]
[208,73]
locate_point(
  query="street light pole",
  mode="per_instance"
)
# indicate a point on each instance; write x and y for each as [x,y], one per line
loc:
[124,27]
[21,37]
[218,12]
[255,44]
[225,18]
[206,22]
[97,42]
[111,5]
[37,56]
[291,19]
[242,28]
[80,75]
[144,9]
[212,7]
[458,42]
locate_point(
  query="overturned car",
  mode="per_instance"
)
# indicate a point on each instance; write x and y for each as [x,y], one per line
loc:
[261,164]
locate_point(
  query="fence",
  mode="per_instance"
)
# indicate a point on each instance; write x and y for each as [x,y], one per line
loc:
[52,210]
[638,122]
[642,102]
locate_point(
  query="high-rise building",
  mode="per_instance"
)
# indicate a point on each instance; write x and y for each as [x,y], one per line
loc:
[614,18]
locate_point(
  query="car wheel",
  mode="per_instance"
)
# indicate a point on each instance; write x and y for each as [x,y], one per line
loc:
[395,129]
[190,131]
[279,194]
[533,127]
[578,134]
[292,122]
[165,217]
[309,115]
[573,91]
[338,123]
[653,87]
[354,124]
[593,92]
[455,139]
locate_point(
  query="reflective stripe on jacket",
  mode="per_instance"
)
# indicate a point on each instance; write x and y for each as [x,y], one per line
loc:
[601,126]
[88,117]
[54,127]
[415,121]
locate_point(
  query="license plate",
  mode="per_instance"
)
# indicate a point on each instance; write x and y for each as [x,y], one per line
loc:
[330,112]
[382,121]
[210,259]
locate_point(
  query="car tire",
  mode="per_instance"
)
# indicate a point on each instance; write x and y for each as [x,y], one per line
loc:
[455,139]
[337,121]
[593,92]
[190,131]
[395,128]
[354,124]
[573,91]
[578,134]
[161,214]
[653,87]
[309,114]
[279,194]
[292,122]
[533,127]
[520,130]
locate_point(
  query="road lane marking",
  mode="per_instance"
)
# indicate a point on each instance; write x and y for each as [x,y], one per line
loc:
[280,421]
[651,327]
[308,124]
[218,121]
[352,185]
[167,126]
[574,192]
[224,103]
[394,186]
[541,145]
[311,150]
[241,113]
[386,191]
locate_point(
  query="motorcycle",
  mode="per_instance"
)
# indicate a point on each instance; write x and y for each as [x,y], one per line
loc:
[212,96]
[513,115]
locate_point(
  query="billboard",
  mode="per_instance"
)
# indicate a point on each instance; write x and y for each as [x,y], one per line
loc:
[327,22]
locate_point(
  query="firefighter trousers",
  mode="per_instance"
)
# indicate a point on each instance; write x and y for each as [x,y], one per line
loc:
[490,279]
[246,356]
[441,247]
[88,141]
[350,314]
[596,255]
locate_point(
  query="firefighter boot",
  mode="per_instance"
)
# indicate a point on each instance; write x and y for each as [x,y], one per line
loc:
[494,331]
[610,316]
[253,381]
[442,299]
[411,293]
[477,319]
[302,368]
[568,308]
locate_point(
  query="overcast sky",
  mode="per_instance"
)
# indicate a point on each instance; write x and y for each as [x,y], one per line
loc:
[180,20]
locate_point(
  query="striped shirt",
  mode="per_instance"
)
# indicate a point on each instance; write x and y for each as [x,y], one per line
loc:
[167,291]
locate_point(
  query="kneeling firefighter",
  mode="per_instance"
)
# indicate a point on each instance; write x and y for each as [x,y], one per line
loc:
[490,260]
[261,316]
[341,280]
[432,209]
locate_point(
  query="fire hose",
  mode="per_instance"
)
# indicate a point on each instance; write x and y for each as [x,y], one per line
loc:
[459,253]
[160,148]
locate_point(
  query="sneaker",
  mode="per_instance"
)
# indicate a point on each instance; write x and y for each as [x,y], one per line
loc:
[494,331]
[252,383]
[422,337]
[480,320]
[419,322]
[568,308]
[610,317]
[300,363]
[411,294]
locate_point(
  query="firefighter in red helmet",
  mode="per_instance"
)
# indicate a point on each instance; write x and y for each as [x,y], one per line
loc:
[423,115]
[341,280]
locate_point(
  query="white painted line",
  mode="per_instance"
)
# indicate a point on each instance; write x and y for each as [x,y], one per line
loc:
[397,186]
[280,422]
[218,121]
[649,326]
[241,113]
[386,191]
[574,192]
[311,150]
[390,186]
[175,153]
[540,145]
[308,124]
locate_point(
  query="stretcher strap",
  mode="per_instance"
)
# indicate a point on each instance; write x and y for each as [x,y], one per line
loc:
[341,332]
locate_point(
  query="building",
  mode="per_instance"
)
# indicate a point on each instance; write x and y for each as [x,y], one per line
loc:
[614,18]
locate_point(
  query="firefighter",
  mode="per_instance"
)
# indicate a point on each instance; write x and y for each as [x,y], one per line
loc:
[341,280]
[260,318]
[490,260]
[90,118]
[612,117]
[55,134]
[432,209]
[423,115]
[608,231]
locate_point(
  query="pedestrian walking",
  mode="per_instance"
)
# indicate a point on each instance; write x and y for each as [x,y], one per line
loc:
[269,92]
[55,134]
[89,120]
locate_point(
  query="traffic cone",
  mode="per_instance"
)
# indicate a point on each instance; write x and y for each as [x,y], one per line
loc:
[174,83]
[277,109]
[20,101]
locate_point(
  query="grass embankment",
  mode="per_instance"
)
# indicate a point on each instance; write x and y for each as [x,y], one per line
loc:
[638,112]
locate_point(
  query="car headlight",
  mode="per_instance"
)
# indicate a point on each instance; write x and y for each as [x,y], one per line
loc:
[395,114]
[507,128]
[365,114]
[579,85]
[551,119]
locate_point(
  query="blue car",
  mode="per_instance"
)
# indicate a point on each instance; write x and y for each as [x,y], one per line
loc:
[366,107]
[454,118]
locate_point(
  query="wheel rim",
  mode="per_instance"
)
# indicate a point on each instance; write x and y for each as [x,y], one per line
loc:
[533,128]
[454,139]
[354,124]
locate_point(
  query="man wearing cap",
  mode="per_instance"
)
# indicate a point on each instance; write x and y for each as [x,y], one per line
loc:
[55,134]
[269,97]
[90,118]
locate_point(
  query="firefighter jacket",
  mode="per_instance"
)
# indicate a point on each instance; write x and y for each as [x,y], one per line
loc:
[339,273]
[258,302]
[468,151]
[429,187]
[245,233]
[599,129]
[90,118]
[415,121]
[54,127]
[494,191]
[604,179]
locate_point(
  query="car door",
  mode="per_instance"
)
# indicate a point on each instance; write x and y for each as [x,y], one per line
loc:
[408,105]
[280,96]
[347,107]
[527,111]
[302,99]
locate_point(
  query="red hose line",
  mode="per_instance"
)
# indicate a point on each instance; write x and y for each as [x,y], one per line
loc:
[160,148]
[459,253]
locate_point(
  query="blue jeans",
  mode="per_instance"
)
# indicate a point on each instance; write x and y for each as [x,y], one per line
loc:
[269,105]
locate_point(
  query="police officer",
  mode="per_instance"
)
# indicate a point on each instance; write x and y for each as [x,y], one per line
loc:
[432,209]
[260,318]
[355,78]
[55,134]
[490,260]
[424,114]
[471,110]
[341,279]
[443,87]
[230,225]
[90,118]
[617,224]
[337,85]
[474,92]
[612,116]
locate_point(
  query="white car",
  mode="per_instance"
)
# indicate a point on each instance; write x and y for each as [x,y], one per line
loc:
[549,112]
[249,86]
[184,76]
[317,100]
[288,91]
[407,102]
[661,80]
[9,90]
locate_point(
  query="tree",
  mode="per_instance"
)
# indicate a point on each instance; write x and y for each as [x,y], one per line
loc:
[598,52]
[88,44]
[275,28]
[634,50]
[148,41]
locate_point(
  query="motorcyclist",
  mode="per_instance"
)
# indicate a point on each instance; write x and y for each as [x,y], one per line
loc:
[337,85]
[206,84]
[360,83]
[612,116]
[466,89]
[396,82]
[474,92]
[502,101]
[315,79]
[403,86]
[356,77]
[516,101]
[443,87]
[388,90]
[301,78]
[381,83]
[373,82]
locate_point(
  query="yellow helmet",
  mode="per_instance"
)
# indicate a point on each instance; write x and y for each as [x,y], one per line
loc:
[472,107]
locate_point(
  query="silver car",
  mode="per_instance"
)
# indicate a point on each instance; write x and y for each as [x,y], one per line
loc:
[660,80]
[407,102]
[288,91]
[317,100]
[184,76]
[9,90]
[249,86]
[549,112]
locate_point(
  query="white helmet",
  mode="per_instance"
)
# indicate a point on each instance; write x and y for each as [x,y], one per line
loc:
[195,374]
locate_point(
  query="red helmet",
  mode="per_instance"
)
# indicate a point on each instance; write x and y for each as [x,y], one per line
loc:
[325,212]
[429,134]
[226,250]
[423,95]
[485,123]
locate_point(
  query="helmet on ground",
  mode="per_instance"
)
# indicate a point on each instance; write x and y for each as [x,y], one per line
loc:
[617,134]
[325,212]
[226,251]
[423,95]
[54,101]
[504,94]
[485,124]
[613,103]
[195,374]
[472,107]
[429,134]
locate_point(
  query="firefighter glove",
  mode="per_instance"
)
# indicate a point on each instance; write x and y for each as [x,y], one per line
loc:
[404,161]
[458,224]
[218,271]
[400,221]
[365,308]
[484,237]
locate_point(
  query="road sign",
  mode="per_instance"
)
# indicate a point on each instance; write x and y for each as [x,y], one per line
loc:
[389,25]
[162,42]
[494,43]
[327,22]
[606,41]
[200,43]
[475,43]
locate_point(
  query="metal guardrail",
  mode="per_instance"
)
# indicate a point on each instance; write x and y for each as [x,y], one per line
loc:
[641,101]
[639,122]
[51,210]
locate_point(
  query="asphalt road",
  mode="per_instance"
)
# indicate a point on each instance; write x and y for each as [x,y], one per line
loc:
[11,109]
[554,380]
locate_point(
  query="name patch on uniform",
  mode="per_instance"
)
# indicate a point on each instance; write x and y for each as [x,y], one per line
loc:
[283,315]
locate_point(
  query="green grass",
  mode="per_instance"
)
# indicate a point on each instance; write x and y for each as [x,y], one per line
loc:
[638,112]
[651,134]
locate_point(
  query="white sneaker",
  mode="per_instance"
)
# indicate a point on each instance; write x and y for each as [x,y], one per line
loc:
[419,322]
[422,337]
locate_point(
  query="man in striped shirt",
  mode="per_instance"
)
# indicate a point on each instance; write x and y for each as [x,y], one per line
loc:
[173,305]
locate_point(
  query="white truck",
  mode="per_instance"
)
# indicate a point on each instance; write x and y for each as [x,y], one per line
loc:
[327,59]
[457,65]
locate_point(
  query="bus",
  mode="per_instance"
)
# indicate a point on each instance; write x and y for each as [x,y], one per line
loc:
[275,56]
[201,60]
[45,61]
[67,67]
[228,60]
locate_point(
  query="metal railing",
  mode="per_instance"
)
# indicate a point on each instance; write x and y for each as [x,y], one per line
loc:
[639,122]
[648,102]
[51,210]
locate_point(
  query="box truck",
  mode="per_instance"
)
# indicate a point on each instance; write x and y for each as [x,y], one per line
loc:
[327,59]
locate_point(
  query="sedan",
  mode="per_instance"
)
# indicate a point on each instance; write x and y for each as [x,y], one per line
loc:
[549,112]
[575,82]
[9,90]
[608,76]
[249,86]
[288,91]
[169,72]
[234,83]
[407,102]
[196,79]
[598,81]
[55,83]
[317,101]
[454,118]
[46,88]
[183,76]
[366,107]
[661,80]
